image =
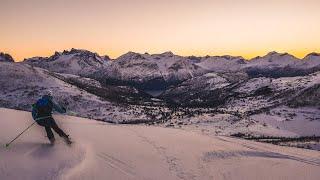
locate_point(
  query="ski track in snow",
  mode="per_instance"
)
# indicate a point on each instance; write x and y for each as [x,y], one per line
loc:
[174,164]
[81,165]
[254,151]
[118,165]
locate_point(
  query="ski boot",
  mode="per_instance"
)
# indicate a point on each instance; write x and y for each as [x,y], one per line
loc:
[52,141]
[67,140]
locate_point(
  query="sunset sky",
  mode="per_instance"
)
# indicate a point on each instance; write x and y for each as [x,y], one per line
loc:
[185,27]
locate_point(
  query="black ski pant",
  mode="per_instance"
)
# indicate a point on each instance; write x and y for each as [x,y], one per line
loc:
[49,123]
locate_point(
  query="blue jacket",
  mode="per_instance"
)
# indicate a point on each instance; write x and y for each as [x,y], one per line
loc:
[44,106]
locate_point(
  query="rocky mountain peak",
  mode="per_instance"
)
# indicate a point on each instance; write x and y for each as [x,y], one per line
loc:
[167,54]
[131,56]
[313,54]
[5,57]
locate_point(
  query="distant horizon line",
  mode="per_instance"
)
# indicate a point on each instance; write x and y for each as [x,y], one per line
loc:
[200,56]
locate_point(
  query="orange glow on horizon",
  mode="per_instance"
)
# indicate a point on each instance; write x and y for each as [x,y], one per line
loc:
[247,28]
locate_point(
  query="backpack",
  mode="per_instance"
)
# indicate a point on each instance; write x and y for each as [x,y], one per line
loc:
[43,107]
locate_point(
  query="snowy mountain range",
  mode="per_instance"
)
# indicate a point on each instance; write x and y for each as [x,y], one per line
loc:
[159,71]
[221,94]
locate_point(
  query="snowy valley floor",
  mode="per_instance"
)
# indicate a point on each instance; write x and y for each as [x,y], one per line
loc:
[105,151]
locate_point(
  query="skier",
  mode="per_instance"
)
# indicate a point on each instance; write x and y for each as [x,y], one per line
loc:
[42,114]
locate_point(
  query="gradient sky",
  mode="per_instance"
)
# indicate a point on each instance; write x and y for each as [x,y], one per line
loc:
[185,27]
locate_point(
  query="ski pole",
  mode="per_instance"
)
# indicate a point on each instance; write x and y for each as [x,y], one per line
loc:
[8,144]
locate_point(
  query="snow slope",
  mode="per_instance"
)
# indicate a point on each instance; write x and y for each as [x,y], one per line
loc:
[105,151]
[21,85]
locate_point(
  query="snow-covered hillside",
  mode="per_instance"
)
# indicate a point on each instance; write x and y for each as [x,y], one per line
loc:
[238,92]
[226,104]
[105,151]
[21,85]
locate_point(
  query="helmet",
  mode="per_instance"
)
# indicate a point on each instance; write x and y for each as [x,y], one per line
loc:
[49,93]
